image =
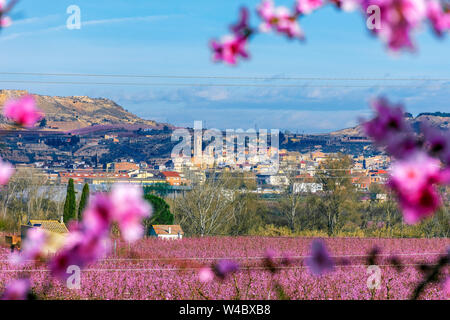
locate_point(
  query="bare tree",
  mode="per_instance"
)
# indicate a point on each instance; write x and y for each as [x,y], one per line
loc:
[291,200]
[210,208]
[28,195]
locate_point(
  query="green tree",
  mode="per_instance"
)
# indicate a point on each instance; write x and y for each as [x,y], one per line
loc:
[83,201]
[161,211]
[160,189]
[70,206]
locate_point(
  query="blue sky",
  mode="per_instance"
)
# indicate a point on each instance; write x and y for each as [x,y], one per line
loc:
[150,37]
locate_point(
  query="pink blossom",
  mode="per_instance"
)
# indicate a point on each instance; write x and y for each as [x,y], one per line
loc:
[225,267]
[308,6]
[5,21]
[320,261]
[398,19]
[98,215]
[389,129]
[129,208]
[205,274]
[32,247]
[447,287]
[80,249]
[242,27]
[23,111]
[279,18]
[413,180]
[437,141]
[6,171]
[269,260]
[17,290]
[438,16]
[229,49]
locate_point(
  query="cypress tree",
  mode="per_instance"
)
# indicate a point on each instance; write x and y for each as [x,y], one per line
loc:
[83,201]
[70,206]
[161,211]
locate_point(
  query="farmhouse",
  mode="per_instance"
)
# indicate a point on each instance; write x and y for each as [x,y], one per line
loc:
[55,230]
[166,231]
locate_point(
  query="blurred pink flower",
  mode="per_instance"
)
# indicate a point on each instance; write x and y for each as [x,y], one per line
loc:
[308,6]
[32,247]
[17,290]
[320,261]
[389,120]
[398,19]
[413,181]
[389,129]
[129,208]
[279,18]
[229,49]
[23,111]
[98,215]
[80,249]
[89,240]
[437,141]
[6,171]
[447,287]
[225,267]
[5,21]
[242,27]
[205,274]
[269,260]
[438,16]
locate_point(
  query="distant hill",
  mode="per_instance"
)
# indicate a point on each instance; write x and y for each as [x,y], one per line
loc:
[74,113]
[437,119]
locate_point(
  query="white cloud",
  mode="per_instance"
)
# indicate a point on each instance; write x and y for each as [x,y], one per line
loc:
[83,24]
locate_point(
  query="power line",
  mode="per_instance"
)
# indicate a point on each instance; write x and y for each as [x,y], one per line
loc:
[265,78]
[210,84]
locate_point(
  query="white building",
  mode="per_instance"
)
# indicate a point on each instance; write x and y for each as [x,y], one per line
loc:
[170,232]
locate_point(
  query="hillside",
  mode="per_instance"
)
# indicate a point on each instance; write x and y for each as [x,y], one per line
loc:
[436,119]
[72,113]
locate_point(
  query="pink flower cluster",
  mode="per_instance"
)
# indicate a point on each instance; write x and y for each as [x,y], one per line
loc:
[32,247]
[17,290]
[23,111]
[5,21]
[282,19]
[234,45]
[415,174]
[89,241]
[6,171]
[320,261]
[414,180]
[398,19]
[308,6]
[439,15]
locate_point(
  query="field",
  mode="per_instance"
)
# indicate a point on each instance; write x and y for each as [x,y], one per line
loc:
[158,269]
